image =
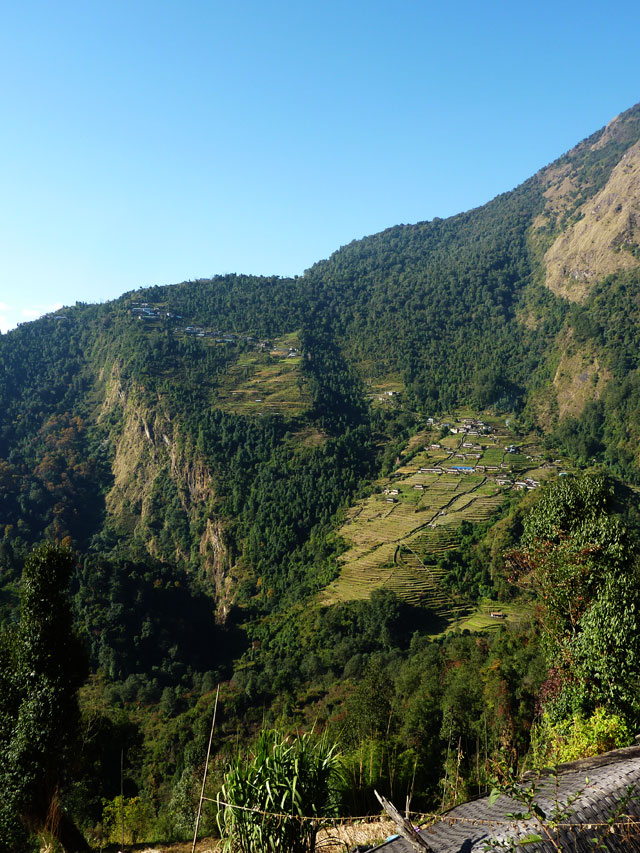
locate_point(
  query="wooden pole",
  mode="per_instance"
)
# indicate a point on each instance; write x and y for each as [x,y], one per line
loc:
[122,794]
[204,775]
[405,827]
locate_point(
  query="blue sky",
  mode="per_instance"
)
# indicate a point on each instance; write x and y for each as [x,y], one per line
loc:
[153,142]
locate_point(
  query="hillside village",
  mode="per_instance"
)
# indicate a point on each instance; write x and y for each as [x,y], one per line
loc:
[146,312]
[457,470]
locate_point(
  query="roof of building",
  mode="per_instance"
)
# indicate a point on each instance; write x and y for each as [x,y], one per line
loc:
[597,789]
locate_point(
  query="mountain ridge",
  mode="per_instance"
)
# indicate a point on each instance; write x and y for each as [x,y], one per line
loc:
[468,310]
[316,490]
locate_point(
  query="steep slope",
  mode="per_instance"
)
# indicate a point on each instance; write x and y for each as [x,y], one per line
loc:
[461,307]
[222,424]
[604,239]
[218,452]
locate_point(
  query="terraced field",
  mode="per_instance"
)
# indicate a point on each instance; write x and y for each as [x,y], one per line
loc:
[397,535]
[396,544]
[259,383]
[493,456]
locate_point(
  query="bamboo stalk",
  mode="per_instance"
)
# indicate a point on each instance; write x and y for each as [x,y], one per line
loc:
[204,775]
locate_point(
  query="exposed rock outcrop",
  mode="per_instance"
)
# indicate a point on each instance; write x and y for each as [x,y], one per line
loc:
[147,447]
[601,241]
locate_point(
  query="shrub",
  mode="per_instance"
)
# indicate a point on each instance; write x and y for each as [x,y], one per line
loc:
[132,814]
[578,737]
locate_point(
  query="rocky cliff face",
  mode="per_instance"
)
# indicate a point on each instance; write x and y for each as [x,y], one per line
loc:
[579,378]
[605,237]
[149,453]
[588,231]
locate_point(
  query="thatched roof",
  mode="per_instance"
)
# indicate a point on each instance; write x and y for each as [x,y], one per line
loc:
[607,789]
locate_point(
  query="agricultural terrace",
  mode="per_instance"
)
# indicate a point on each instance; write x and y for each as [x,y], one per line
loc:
[396,535]
[264,377]
[264,382]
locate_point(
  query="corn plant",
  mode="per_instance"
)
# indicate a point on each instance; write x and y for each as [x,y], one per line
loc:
[276,799]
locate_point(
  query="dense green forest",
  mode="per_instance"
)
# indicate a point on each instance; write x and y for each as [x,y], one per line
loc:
[195,454]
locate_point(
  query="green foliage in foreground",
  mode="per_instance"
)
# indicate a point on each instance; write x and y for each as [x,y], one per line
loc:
[297,777]
[580,555]
[41,668]
[577,737]
[126,819]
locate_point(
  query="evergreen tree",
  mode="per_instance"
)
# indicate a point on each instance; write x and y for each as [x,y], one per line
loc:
[41,667]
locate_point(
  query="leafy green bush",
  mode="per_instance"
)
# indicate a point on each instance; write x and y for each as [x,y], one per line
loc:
[578,736]
[132,814]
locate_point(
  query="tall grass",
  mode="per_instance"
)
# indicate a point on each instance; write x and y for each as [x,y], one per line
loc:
[270,799]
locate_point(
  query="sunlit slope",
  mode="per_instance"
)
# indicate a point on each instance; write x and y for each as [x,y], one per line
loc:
[397,535]
[266,382]
[253,376]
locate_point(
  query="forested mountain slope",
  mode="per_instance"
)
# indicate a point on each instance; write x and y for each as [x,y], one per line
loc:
[200,444]
[227,445]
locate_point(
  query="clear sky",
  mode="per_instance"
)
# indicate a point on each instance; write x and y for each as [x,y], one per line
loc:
[153,142]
